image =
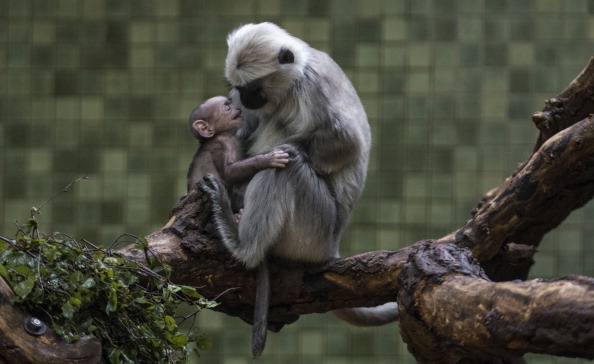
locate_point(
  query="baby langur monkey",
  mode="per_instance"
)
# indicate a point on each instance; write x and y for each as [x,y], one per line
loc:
[215,123]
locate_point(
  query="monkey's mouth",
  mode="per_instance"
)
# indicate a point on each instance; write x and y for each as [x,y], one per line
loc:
[237,115]
[251,95]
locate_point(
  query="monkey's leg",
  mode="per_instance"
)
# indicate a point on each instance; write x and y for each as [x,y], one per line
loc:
[369,316]
[226,223]
[288,212]
[262,218]
[224,218]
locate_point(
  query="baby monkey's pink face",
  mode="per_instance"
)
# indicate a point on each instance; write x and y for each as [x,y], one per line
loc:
[216,115]
[226,115]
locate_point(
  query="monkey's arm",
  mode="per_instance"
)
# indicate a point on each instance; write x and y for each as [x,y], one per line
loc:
[236,172]
[333,150]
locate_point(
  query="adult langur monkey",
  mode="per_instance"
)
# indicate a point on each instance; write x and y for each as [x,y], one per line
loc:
[297,99]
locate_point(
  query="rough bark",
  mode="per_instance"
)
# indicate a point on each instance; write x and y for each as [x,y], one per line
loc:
[450,312]
[556,180]
[572,105]
[363,280]
[568,107]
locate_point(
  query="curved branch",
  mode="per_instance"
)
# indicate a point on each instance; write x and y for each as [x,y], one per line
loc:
[450,311]
[367,279]
[557,179]
[556,318]
[447,303]
[568,107]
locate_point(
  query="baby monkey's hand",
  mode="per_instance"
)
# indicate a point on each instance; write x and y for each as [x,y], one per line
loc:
[276,158]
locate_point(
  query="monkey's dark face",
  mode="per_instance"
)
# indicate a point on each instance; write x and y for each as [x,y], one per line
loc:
[252,95]
[262,66]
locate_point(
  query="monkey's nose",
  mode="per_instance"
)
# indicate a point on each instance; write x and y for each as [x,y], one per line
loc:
[251,96]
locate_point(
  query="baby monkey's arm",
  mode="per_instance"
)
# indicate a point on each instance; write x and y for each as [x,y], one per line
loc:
[245,169]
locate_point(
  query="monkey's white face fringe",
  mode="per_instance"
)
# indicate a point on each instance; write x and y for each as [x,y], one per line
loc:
[253,56]
[253,51]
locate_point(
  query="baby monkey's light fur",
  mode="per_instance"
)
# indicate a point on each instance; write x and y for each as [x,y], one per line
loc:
[295,98]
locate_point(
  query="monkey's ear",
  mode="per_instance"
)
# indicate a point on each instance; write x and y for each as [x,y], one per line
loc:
[285,56]
[203,129]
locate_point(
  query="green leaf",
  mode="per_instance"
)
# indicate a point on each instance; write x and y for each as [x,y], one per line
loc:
[147,305]
[23,269]
[18,258]
[88,283]
[207,303]
[178,340]
[114,355]
[112,261]
[23,288]
[190,292]
[68,310]
[170,322]
[112,301]
[75,278]
[204,342]
[126,278]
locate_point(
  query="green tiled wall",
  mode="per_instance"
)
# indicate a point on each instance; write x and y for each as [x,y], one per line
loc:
[103,89]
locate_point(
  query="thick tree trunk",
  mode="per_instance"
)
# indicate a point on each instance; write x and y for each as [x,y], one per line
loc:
[450,312]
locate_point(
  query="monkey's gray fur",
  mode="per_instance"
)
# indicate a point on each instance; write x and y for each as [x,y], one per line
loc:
[297,99]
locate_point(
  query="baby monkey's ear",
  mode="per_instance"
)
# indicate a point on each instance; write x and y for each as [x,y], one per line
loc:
[203,128]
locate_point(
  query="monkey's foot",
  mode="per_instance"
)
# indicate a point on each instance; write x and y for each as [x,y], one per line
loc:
[238,216]
[221,205]
[211,186]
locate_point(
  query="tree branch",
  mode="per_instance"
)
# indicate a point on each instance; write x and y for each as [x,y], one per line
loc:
[363,280]
[556,180]
[450,312]
[568,107]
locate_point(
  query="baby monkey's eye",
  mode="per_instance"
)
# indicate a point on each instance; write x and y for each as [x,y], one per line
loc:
[227,105]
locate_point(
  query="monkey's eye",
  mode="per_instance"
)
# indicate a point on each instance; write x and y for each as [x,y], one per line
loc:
[285,56]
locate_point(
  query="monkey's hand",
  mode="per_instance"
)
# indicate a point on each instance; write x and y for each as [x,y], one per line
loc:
[225,220]
[275,159]
[238,216]
[213,188]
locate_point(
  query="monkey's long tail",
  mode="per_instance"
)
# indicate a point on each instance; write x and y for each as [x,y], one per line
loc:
[369,316]
[260,327]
